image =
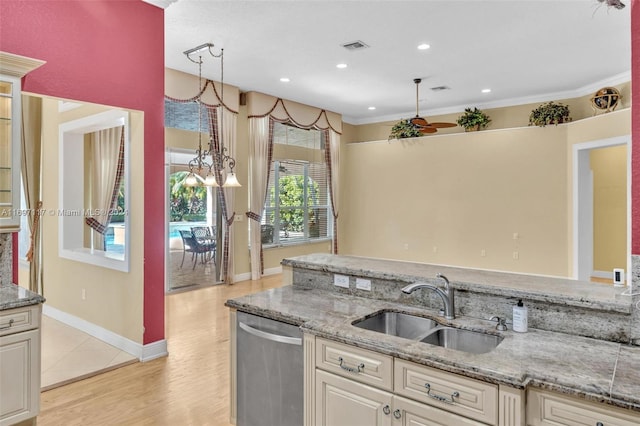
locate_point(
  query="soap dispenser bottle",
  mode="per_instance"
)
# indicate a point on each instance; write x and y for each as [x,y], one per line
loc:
[520,317]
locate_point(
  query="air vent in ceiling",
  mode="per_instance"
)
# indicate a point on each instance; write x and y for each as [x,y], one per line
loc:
[440,88]
[355,45]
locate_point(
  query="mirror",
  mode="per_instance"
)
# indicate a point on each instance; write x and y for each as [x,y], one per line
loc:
[93,219]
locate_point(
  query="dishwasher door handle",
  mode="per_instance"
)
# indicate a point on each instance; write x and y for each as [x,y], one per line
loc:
[269,336]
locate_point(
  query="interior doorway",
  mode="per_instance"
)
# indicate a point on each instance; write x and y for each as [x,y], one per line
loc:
[192,239]
[601,213]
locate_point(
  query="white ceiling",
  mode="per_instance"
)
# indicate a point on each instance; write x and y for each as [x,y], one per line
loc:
[525,51]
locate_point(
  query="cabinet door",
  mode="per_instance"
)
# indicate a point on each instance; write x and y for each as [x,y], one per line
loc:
[9,153]
[410,413]
[19,376]
[551,409]
[343,402]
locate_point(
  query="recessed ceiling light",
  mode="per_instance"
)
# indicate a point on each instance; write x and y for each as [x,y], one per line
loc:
[371,108]
[423,46]
[285,80]
[341,66]
[486,90]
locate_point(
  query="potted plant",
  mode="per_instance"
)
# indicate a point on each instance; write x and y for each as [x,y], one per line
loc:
[404,129]
[549,113]
[473,119]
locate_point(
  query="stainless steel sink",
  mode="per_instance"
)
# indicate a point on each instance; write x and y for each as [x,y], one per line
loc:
[398,324]
[429,331]
[463,340]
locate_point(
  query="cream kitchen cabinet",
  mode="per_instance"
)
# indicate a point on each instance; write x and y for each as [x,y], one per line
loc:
[19,364]
[552,409]
[340,401]
[355,386]
[12,69]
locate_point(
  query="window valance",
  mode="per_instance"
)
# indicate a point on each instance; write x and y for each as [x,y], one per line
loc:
[304,116]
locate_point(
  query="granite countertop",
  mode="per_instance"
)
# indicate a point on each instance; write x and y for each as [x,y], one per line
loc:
[14,296]
[525,286]
[596,370]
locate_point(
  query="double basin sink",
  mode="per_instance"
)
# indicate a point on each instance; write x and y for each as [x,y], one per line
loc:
[426,330]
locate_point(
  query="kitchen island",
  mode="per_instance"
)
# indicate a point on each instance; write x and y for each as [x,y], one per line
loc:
[20,319]
[535,367]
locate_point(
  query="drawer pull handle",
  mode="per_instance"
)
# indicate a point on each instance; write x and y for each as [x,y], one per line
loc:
[350,369]
[440,398]
[11,321]
[397,414]
[386,409]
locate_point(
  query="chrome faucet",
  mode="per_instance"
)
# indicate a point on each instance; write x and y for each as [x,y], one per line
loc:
[447,295]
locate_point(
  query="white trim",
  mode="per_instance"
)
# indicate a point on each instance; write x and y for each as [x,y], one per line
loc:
[17,65]
[142,352]
[602,274]
[242,277]
[272,271]
[566,94]
[586,146]
[246,276]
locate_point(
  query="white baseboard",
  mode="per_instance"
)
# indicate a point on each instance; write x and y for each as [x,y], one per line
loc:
[242,277]
[602,274]
[272,271]
[247,275]
[142,352]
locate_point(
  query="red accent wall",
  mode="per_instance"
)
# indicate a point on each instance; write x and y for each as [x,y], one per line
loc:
[107,52]
[635,127]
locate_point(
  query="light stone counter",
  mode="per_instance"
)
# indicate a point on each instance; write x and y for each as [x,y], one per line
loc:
[13,296]
[593,369]
[531,287]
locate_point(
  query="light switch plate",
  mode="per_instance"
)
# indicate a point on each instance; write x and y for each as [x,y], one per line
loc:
[363,284]
[341,281]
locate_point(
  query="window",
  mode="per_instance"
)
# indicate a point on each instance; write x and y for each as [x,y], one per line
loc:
[297,208]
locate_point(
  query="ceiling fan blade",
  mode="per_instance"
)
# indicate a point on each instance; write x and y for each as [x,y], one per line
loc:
[419,121]
[443,125]
[428,129]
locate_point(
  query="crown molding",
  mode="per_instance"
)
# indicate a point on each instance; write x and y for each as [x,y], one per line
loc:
[16,65]
[553,96]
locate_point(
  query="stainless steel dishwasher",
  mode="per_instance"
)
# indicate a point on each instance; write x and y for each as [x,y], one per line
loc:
[269,372]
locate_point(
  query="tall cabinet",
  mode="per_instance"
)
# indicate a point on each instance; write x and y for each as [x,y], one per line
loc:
[12,69]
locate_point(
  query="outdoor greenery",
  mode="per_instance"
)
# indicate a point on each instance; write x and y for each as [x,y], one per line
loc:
[188,203]
[404,129]
[473,119]
[291,194]
[549,113]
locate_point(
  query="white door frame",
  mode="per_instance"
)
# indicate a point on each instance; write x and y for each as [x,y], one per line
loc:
[583,205]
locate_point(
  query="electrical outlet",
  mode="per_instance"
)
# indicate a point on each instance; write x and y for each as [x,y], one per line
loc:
[406,246]
[516,255]
[363,284]
[84,294]
[341,281]
[483,253]
[515,236]
[435,249]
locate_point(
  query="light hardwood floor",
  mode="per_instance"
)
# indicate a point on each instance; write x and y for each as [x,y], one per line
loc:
[189,387]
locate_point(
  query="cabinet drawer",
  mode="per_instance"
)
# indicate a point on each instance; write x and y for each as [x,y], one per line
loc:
[461,395]
[355,363]
[19,319]
[412,413]
[545,408]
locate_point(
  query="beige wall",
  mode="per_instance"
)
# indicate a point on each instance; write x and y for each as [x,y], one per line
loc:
[114,299]
[445,199]
[501,118]
[609,167]
[465,193]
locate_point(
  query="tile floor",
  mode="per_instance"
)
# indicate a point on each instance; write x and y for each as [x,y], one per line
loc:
[69,354]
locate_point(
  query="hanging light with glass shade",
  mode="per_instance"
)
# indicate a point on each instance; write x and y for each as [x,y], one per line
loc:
[207,160]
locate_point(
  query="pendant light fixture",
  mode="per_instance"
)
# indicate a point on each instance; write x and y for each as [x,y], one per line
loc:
[207,160]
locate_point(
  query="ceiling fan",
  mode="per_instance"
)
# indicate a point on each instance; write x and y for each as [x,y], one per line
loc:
[421,123]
